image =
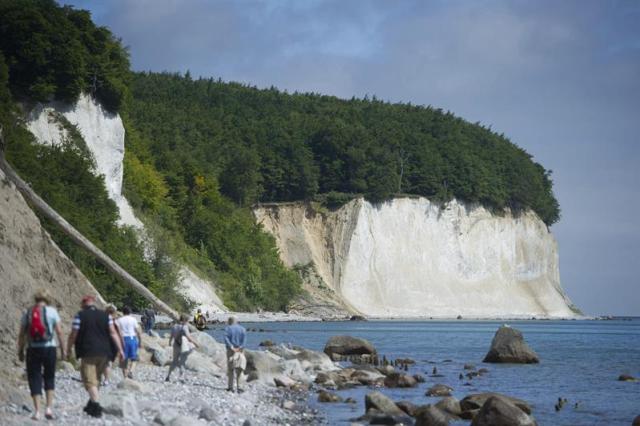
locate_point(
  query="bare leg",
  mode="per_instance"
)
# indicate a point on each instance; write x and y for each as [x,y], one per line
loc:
[93,393]
[36,406]
[49,409]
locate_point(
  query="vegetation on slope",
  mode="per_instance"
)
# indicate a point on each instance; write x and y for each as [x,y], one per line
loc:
[50,52]
[266,145]
[201,152]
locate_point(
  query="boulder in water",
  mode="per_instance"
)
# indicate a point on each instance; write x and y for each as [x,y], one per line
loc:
[508,346]
[400,380]
[381,403]
[476,401]
[636,421]
[439,390]
[430,415]
[627,378]
[324,396]
[450,405]
[499,411]
[408,407]
[367,377]
[340,346]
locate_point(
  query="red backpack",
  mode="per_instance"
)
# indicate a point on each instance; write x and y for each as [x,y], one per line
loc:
[38,326]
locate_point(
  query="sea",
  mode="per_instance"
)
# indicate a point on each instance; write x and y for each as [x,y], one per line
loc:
[580,360]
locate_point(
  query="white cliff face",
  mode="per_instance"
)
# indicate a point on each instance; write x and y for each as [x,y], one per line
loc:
[104,133]
[411,258]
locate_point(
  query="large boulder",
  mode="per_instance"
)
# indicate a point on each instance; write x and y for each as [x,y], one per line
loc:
[211,348]
[367,377]
[381,403]
[500,411]
[439,390]
[324,396]
[430,415]
[450,405]
[203,364]
[339,346]
[476,401]
[265,367]
[408,407]
[508,346]
[161,357]
[120,404]
[400,380]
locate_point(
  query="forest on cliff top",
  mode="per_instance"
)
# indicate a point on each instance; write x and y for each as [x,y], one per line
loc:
[200,152]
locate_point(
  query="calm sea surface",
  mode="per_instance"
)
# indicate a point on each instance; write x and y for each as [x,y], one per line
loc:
[580,361]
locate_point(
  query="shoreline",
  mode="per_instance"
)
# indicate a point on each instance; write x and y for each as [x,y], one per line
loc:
[250,317]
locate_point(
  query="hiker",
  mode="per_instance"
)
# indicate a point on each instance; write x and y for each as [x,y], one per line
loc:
[92,334]
[36,333]
[234,339]
[181,339]
[199,320]
[114,314]
[131,340]
[148,319]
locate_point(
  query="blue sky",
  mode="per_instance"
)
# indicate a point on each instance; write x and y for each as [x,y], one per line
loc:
[560,78]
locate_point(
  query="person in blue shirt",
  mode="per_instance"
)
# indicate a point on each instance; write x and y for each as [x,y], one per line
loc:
[234,338]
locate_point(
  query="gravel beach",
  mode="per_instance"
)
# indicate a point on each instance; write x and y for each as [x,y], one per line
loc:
[183,401]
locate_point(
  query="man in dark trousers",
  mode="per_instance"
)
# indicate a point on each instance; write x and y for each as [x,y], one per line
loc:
[149,319]
[93,335]
[235,338]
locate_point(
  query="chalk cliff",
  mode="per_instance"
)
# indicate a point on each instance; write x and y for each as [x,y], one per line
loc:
[410,257]
[104,134]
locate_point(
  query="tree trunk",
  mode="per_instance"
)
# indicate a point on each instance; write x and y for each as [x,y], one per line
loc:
[78,238]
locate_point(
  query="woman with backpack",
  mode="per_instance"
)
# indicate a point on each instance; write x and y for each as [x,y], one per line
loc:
[37,328]
[182,345]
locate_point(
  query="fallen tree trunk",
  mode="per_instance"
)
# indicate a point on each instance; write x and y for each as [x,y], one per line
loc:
[77,237]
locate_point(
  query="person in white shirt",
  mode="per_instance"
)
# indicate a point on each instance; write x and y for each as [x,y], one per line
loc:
[131,339]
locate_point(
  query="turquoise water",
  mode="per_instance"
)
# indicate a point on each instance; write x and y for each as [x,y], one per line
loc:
[580,361]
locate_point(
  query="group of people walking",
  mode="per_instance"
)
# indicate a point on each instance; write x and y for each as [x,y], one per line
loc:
[99,337]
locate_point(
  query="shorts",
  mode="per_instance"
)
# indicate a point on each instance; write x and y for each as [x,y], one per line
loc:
[92,369]
[131,348]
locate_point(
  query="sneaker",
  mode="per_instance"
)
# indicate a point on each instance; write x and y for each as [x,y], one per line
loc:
[229,390]
[93,409]
[240,390]
[97,410]
[130,375]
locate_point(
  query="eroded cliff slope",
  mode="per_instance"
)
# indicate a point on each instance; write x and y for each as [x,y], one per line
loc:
[29,260]
[412,258]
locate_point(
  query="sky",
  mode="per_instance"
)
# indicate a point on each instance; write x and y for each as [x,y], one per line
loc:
[559,78]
